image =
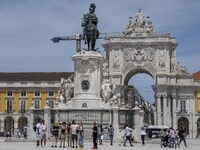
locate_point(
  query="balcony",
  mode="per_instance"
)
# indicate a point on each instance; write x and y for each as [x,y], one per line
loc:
[182,113]
[22,111]
[9,111]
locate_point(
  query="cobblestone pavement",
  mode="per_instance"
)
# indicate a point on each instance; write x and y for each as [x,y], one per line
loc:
[193,144]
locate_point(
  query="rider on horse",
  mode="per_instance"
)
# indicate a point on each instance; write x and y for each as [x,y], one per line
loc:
[90,31]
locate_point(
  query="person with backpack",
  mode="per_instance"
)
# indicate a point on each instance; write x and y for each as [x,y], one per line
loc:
[182,135]
[128,135]
[111,134]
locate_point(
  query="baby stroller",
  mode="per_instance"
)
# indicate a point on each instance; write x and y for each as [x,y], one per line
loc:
[164,141]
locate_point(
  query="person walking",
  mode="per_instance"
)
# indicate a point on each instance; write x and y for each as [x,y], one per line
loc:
[94,135]
[111,134]
[122,139]
[128,135]
[143,134]
[182,135]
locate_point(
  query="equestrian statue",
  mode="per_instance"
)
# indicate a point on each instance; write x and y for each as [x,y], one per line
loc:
[90,31]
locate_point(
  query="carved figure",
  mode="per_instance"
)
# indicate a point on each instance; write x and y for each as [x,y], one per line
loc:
[162,63]
[90,31]
[107,90]
[86,67]
[149,28]
[61,94]
[115,100]
[173,63]
[116,64]
[129,29]
[181,69]
[65,91]
[139,19]
[105,67]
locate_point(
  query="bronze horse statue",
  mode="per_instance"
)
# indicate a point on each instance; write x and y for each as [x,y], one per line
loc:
[90,31]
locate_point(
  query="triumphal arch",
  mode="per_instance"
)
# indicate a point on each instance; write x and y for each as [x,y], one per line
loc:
[143,50]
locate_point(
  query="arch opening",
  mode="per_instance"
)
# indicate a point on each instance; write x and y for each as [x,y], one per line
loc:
[183,123]
[9,126]
[22,123]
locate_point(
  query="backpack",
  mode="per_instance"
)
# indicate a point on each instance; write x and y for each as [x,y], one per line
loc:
[34,128]
[111,131]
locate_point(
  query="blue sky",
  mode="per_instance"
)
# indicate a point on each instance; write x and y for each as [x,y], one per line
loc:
[27,26]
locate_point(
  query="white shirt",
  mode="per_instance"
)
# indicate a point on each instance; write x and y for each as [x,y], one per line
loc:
[74,127]
[128,131]
[143,132]
[44,128]
[39,128]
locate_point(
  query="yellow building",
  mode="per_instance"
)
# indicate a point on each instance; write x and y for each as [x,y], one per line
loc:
[19,91]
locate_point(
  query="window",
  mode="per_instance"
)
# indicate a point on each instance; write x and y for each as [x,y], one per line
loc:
[37,93]
[23,93]
[183,106]
[23,106]
[51,103]
[51,93]
[9,104]
[37,104]
[9,93]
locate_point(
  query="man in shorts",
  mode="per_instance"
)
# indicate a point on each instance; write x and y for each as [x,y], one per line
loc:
[55,133]
[43,134]
[39,133]
[74,129]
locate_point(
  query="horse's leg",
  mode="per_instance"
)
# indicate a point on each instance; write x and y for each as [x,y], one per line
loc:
[88,43]
[93,44]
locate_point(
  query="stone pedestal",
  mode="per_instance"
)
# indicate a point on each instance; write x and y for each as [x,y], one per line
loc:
[116,124]
[47,119]
[87,80]
[136,131]
[56,112]
[31,132]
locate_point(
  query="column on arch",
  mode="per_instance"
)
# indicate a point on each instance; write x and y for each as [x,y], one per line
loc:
[164,109]
[174,108]
[158,109]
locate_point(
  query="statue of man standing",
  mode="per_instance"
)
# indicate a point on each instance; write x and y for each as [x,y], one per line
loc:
[139,19]
[90,31]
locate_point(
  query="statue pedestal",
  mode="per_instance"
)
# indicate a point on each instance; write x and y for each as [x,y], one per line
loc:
[87,80]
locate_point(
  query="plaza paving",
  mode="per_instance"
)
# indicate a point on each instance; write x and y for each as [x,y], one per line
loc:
[193,144]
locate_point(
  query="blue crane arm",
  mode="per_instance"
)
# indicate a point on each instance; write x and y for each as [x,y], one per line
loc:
[56,39]
[73,37]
